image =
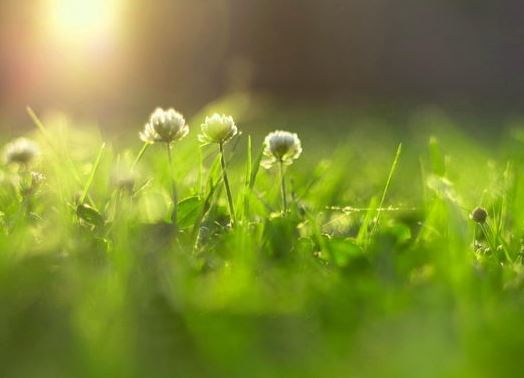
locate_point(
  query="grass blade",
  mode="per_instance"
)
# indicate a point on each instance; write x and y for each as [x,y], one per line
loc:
[386,187]
[89,181]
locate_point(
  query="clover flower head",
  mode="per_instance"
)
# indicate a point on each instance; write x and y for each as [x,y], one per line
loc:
[164,126]
[281,147]
[21,151]
[217,129]
[479,215]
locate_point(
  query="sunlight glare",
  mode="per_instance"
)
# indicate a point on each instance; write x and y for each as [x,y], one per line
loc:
[83,21]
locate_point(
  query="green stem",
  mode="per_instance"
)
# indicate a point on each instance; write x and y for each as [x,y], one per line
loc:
[226,184]
[140,154]
[283,187]
[173,185]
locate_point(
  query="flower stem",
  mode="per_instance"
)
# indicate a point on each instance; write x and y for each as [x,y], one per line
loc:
[226,184]
[173,185]
[283,187]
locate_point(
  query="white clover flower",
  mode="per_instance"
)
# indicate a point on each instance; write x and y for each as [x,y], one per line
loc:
[164,126]
[281,147]
[217,129]
[21,151]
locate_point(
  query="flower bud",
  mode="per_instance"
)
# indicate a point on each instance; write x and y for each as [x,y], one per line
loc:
[37,178]
[479,215]
[32,184]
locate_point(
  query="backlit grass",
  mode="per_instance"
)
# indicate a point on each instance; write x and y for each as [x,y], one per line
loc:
[127,261]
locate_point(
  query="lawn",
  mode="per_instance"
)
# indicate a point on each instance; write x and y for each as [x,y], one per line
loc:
[378,266]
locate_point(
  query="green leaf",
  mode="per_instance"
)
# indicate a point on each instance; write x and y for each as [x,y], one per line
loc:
[255,169]
[188,211]
[89,215]
[401,232]
[343,251]
[438,161]
[280,234]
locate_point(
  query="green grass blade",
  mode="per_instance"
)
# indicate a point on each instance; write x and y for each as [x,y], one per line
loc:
[89,181]
[47,136]
[255,169]
[139,156]
[438,161]
[247,179]
[386,187]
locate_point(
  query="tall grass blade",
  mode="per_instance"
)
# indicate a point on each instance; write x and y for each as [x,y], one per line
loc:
[91,177]
[386,187]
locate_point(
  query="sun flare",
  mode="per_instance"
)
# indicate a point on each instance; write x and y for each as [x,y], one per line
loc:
[83,20]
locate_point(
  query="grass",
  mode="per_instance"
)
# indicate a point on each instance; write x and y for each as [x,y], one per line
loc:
[375,270]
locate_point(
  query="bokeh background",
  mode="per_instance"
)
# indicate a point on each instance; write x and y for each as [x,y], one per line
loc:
[114,60]
[354,78]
